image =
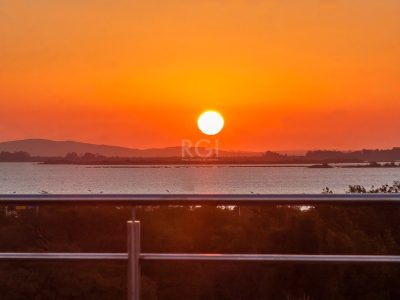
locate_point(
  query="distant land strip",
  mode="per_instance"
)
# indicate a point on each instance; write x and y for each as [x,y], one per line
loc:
[71,152]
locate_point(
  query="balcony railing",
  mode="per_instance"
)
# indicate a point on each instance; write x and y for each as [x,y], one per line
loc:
[134,256]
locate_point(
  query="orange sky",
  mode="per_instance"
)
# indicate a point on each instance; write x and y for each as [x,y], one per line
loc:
[285,74]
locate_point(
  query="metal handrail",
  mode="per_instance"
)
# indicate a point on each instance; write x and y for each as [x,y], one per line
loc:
[267,258]
[200,199]
[134,254]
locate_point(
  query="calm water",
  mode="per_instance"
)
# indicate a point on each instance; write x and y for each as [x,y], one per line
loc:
[35,178]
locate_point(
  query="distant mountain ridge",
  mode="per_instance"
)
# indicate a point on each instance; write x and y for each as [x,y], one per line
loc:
[51,148]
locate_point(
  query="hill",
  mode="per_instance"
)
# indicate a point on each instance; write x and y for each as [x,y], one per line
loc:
[50,148]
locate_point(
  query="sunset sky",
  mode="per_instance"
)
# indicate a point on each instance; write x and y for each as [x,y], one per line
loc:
[285,74]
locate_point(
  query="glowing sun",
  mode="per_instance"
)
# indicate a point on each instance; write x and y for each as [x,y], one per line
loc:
[210,122]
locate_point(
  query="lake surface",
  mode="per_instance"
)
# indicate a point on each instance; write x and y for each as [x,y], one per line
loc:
[35,178]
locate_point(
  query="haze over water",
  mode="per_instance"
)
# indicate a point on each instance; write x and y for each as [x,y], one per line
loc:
[24,178]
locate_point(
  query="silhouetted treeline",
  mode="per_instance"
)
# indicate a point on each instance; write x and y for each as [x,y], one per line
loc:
[364,155]
[15,157]
[318,156]
[282,229]
[329,156]
[22,156]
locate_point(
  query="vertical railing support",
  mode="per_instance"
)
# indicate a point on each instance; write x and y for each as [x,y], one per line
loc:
[133,260]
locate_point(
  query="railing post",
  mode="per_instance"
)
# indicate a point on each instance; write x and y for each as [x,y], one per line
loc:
[133,260]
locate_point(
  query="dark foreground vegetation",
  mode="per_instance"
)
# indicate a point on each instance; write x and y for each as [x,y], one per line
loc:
[317,230]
